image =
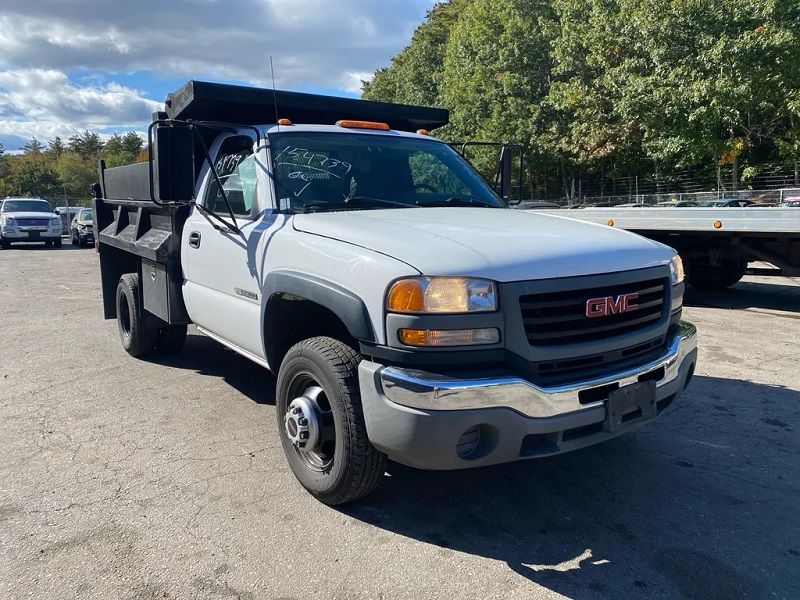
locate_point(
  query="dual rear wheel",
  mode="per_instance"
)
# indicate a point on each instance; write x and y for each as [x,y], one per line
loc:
[141,333]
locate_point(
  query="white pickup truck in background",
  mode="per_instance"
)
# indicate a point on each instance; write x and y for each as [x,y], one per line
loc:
[28,220]
[407,312]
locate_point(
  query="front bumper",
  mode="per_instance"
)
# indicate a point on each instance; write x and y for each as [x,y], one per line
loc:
[26,235]
[427,420]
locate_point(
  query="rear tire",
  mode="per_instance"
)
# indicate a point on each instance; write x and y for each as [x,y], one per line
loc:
[342,465]
[170,339]
[136,338]
[715,277]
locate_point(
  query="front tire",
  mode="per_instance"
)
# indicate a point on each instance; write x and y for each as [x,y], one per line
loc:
[57,243]
[136,338]
[5,244]
[321,422]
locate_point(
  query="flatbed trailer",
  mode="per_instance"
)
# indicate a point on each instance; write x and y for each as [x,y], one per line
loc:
[716,244]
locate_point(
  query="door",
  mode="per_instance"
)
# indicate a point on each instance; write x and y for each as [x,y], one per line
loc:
[221,272]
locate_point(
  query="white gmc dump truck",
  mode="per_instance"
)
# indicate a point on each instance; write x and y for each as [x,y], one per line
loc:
[407,312]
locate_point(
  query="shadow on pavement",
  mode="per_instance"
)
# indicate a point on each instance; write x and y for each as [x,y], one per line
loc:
[207,357]
[748,294]
[700,504]
[66,245]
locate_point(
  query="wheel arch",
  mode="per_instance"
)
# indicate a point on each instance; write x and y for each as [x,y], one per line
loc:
[298,305]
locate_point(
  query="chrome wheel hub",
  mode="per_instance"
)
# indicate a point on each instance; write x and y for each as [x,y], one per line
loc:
[309,424]
[301,421]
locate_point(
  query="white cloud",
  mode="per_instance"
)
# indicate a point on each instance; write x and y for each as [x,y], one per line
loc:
[44,103]
[315,43]
[352,82]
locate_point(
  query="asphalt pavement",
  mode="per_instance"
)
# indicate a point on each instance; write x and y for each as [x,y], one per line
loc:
[122,478]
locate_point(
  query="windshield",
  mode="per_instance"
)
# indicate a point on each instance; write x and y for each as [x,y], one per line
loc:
[85,215]
[27,206]
[334,171]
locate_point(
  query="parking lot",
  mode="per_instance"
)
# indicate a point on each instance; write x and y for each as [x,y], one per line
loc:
[130,479]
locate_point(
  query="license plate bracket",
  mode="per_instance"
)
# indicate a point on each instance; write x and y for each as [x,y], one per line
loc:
[33,235]
[629,403]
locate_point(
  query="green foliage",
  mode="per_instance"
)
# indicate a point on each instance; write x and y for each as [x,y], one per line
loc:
[33,146]
[610,85]
[76,174]
[88,145]
[415,73]
[64,169]
[31,175]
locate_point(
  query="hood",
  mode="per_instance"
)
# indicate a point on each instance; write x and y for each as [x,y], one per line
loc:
[27,214]
[499,244]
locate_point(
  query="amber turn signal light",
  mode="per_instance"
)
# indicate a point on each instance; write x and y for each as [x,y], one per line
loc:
[363,124]
[406,295]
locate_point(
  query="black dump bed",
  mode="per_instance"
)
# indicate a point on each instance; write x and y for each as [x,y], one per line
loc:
[140,209]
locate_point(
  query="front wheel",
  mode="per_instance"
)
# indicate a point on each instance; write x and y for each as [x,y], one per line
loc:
[57,243]
[321,422]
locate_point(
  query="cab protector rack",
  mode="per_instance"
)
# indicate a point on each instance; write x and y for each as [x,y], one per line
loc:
[204,101]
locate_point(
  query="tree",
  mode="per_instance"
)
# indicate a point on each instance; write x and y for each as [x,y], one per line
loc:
[415,73]
[76,173]
[122,149]
[613,87]
[34,146]
[132,144]
[31,175]
[56,147]
[87,145]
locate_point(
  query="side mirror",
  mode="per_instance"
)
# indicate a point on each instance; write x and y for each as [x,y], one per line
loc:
[173,163]
[505,174]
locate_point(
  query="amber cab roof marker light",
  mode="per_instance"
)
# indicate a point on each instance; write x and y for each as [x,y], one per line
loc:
[362,124]
[285,122]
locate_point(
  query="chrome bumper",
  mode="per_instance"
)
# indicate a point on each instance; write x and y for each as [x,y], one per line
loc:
[430,391]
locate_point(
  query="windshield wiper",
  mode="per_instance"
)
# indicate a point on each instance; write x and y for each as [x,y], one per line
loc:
[456,201]
[367,199]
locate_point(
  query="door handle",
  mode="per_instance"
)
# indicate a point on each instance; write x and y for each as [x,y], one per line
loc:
[194,239]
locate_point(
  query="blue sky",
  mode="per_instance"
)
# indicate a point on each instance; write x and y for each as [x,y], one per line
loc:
[106,65]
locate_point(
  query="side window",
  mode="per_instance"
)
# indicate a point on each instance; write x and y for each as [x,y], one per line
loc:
[431,175]
[236,168]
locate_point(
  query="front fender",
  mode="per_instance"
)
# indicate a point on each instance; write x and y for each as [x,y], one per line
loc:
[342,302]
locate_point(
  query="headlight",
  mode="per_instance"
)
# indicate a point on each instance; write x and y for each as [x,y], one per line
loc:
[9,221]
[55,222]
[676,270]
[442,295]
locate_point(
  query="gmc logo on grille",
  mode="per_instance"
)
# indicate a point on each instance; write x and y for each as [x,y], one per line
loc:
[611,305]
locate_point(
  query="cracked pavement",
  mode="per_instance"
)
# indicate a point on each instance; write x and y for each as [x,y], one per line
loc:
[128,479]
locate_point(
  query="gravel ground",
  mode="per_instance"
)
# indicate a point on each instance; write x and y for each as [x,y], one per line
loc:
[128,479]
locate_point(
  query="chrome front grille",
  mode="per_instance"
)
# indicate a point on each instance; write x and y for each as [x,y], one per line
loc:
[556,318]
[33,222]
